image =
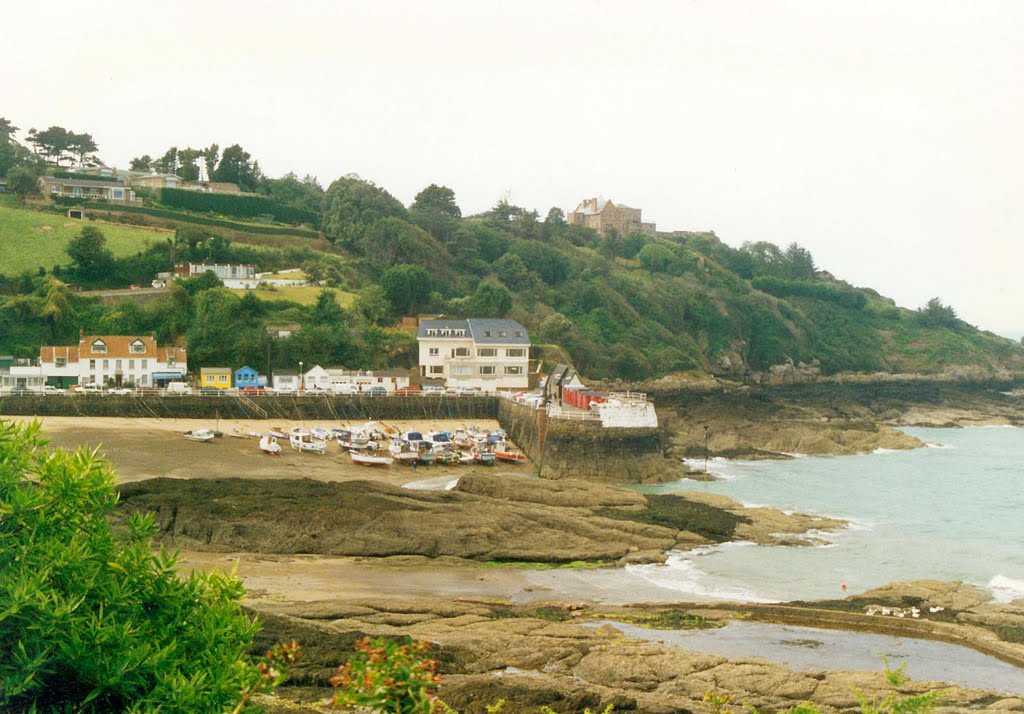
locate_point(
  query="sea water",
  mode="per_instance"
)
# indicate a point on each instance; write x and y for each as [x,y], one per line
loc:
[953,511]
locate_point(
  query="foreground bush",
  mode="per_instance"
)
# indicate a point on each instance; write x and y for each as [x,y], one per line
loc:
[92,620]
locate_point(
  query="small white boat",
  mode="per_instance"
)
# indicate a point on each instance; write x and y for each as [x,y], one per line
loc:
[403,452]
[199,435]
[370,459]
[320,433]
[239,434]
[269,445]
[351,438]
[302,440]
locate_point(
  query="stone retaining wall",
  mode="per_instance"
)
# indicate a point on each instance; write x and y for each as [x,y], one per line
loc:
[568,448]
[337,408]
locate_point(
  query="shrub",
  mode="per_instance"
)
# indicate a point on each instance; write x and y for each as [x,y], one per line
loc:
[388,676]
[782,287]
[240,206]
[92,619]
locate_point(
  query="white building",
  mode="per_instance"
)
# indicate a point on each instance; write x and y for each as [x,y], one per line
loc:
[342,381]
[486,354]
[236,277]
[290,278]
[116,360]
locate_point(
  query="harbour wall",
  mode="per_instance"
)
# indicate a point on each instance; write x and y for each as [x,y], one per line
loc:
[583,449]
[296,408]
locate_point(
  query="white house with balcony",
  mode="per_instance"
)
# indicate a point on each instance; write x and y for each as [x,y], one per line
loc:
[478,353]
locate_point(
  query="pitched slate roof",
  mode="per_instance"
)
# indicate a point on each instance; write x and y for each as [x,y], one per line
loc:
[480,330]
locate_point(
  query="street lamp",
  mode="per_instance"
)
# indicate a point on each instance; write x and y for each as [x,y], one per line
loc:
[302,377]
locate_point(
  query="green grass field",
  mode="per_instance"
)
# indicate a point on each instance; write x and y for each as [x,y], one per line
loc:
[302,296]
[29,239]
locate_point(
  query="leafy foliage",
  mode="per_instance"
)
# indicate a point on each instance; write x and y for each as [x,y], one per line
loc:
[92,619]
[388,676]
[236,205]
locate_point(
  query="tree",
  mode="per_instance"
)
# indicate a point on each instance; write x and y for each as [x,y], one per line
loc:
[81,145]
[306,193]
[23,181]
[7,130]
[656,258]
[407,287]
[168,163]
[326,311]
[437,199]
[353,206]
[512,271]
[90,258]
[210,157]
[490,300]
[798,263]
[935,314]
[188,168]
[373,305]
[94,619]
[235,167]
[52,143]
[141,163]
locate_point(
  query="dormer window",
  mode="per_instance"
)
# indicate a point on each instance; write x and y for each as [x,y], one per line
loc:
[99,347]
[519,333]
[501,333]
[487,333]
[138,347]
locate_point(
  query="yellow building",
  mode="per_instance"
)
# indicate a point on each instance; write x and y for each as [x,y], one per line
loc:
[218,377]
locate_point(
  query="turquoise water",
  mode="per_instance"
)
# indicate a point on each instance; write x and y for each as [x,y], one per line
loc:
[954,511]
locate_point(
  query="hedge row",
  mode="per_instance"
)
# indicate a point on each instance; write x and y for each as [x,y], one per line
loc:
[86,177]
[229,204]
[780,287]
[188,218]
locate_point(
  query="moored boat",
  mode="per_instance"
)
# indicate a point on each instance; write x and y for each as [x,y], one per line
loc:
[364,459]
[199,435]
[302,440]
[504,452]
[269,445]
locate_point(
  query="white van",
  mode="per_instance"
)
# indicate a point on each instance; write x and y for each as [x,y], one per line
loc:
[178,388]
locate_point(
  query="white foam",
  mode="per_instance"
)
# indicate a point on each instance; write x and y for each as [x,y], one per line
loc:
[937,445]
[880,451]
[795,454]
[680,574]
[1006,589]
[451,484]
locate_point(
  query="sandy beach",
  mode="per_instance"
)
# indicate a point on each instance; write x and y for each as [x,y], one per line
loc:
[152,448]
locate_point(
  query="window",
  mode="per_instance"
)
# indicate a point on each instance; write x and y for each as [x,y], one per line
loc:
[62,361]
[142,364]
[519,333]
[501,333]
[518,352]
[106,364]
[137,348]
[487,352]
[433,351]
[92,364]
[462,370]
[460,352]
[437,370]
[99,347]
[117,365]
[118,193]
[131,364]
[513,370]
[488,369]
[487,333]
[222,378]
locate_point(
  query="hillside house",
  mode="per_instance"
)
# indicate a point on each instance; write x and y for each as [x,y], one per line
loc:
[603,215]
[155,181]
[86,190]
[248,377]
[286,380]
[485,354]
[238,277]
[216,377]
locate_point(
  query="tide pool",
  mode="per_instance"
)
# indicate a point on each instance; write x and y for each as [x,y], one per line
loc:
[953,511]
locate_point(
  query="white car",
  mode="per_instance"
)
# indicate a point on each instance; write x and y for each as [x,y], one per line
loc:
[178,388]
[91,388]
[433,390]
[120,391]
[49,389]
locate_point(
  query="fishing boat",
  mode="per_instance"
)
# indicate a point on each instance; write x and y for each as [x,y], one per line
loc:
[278,432]
[238,434]
[364,459]
[426,453]
[446,456]
[403,452]
[302,440]
[504,452]
[350,438]
[485,458]
[269,445]
[320,433]
[467,457]
[199,435]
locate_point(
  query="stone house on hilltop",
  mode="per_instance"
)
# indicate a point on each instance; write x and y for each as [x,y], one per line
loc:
[603,215]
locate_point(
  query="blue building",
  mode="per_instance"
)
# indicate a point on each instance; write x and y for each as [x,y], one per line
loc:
[249,377]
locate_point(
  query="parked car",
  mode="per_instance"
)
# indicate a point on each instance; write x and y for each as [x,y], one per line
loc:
[20,389]
[433,390]
[411,389]
[210,392]
[462,391]
[147,390]
[91,388]
[50,389]
[178,388]
[253,390]
[376,391]
[119,391]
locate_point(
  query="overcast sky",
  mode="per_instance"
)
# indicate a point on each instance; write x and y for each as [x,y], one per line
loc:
[886,137]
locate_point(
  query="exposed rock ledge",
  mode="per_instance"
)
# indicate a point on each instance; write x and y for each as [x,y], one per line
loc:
[503,518]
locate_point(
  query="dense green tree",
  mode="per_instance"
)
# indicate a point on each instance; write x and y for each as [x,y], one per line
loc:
[935,314]
[23,181]
[91,260]
[326,311]
[211,155]
[141,163]
[512,271]
[407,287]
[7,129]
[373,305]
[305,193]
[437,199]
[798,263]
[236,167]
[188,164]
[632,245]
[80,146]
[57,144]
[490,300]
[546,261]
[168,163]
[352,207]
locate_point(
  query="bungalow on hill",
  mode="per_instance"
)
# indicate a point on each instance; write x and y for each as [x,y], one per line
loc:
[238,277]
[154,181]
[86,190]
[216,377]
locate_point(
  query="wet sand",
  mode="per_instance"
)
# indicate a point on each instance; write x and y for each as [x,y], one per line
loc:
[152,448]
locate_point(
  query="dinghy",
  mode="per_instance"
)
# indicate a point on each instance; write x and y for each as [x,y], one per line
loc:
[370,459]
[269,445]
[199,435]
